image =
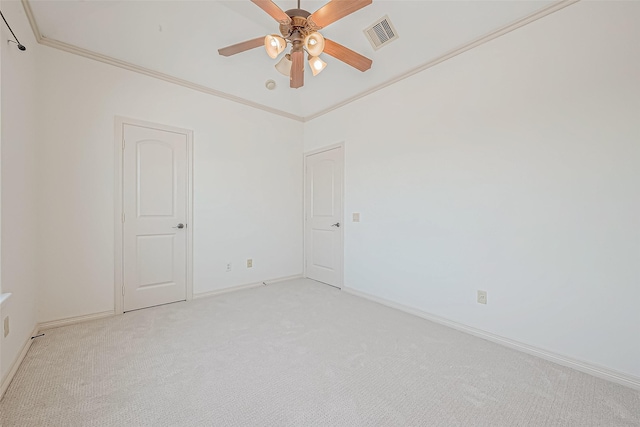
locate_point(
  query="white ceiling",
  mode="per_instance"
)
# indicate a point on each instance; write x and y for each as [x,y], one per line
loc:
[181,39]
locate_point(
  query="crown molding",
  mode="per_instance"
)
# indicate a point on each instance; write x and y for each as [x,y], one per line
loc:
[561,4]
[451,54]
[142,70]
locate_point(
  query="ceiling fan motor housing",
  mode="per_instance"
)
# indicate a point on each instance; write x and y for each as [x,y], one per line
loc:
[299,23]
[298,12]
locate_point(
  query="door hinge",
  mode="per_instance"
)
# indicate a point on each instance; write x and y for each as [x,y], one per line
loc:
[123,217]
[123,143]
[122,290]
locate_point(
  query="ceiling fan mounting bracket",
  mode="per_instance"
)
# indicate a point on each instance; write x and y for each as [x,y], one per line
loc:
[312,25]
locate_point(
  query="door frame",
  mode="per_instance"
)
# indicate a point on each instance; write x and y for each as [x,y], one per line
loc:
[119,205]
[304,207]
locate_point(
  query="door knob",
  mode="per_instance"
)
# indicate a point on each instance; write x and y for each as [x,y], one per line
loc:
[337,224]
[179,226]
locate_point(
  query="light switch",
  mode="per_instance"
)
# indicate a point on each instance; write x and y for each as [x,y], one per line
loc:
[356,217]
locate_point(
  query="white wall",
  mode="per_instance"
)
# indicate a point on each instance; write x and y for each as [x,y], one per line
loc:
[247,182]
[18,188]
[512,168]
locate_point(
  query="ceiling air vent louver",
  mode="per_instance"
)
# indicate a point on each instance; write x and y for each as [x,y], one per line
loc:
[381,33]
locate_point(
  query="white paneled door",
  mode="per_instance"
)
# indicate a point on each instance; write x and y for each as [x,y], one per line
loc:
[323,217]
[155,197]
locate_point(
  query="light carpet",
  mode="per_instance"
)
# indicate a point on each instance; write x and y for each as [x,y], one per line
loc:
[296,353]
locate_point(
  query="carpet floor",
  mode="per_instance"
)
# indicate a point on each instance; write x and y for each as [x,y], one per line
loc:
[296,353]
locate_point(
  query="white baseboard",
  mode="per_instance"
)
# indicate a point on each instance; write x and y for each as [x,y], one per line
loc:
[16,363]
[73,320]
[284,279]
[579,365]
[246,286]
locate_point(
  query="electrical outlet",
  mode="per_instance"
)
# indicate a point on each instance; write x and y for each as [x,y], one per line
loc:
[249,263]
[228,266]
[356,217]
[482,297]
[6,326]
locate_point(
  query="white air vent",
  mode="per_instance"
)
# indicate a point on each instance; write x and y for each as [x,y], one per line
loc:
[381,33]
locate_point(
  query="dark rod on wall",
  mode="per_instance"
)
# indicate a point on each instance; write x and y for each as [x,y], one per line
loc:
[20,45]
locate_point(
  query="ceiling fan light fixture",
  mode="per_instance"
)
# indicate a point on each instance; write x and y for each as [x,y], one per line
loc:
[317,65]
[284,65]
[274,45]
[314,43]
[299,28]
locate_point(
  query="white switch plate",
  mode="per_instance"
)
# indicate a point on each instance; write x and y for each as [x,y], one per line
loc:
[482,297]
[228,266]
[356,217]
[249,263]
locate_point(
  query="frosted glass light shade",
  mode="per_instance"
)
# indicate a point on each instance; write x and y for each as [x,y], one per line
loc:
[317,65]
[284,65]
[274,45]
[314,43]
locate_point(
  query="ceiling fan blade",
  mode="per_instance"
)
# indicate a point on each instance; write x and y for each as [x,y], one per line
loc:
[272,9]
[241,47]
[336,9]
[297,69]
[346,55]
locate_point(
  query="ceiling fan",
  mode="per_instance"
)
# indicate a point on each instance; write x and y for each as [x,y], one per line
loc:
[300,29]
